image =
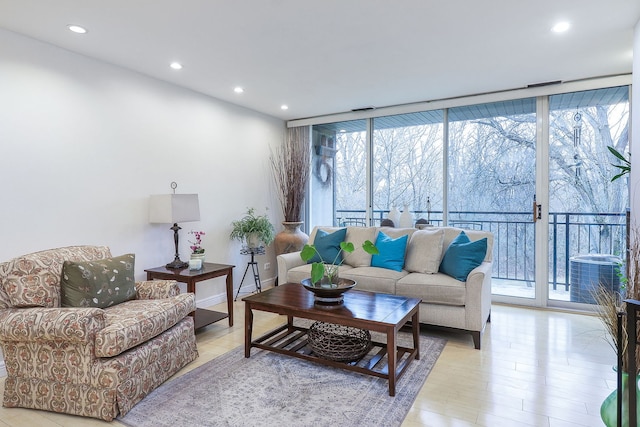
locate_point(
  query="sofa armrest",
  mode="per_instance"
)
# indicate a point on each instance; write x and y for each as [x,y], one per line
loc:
[286,262]
[76,325]
[478,305]
[157,289]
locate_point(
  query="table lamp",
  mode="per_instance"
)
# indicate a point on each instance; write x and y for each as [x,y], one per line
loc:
[174,208]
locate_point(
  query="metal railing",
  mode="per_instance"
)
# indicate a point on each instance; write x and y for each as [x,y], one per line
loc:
[570,234]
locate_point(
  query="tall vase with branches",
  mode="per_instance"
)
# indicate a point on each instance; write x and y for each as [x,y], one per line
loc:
[290,164]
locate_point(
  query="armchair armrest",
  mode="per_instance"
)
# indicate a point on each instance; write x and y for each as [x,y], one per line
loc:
[157,289]
[77,325]
[286,262]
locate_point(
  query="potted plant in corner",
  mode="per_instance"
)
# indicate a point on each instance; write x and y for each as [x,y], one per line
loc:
[291,164]
[252,230]
[324,282]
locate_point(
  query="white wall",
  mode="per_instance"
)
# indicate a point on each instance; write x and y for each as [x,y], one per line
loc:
[84,143]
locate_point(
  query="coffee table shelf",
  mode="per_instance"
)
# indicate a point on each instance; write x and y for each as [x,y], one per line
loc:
[293,342]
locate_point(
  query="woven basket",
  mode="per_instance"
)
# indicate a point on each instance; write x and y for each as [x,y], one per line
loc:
[337,342]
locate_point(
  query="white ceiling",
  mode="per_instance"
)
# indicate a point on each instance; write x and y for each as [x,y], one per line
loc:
[330,56]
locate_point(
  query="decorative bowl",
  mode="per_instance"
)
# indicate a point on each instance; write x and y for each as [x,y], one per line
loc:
[329,293]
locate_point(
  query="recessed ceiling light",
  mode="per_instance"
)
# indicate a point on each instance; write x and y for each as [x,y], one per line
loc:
[77,29]
[176,65]
[561,27]
[284,107]
[238,89]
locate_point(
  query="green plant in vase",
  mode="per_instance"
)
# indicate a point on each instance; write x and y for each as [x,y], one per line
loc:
[329,270]
[252,229]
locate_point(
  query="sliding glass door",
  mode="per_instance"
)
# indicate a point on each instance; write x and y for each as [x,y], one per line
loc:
[491,185]
[587,210]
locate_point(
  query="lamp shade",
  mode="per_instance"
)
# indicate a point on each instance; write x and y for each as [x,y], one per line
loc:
[173,208]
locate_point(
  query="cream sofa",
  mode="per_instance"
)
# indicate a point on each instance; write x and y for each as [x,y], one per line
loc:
[445,301]
[87,361]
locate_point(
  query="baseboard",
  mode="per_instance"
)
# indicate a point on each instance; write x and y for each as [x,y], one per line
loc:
[246,289]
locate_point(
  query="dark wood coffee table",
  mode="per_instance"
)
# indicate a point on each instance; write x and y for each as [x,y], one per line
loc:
[365,310]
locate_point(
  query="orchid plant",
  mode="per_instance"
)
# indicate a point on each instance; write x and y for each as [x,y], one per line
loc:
[196,246]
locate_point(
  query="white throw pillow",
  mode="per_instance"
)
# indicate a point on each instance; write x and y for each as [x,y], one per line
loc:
[425,251]
[357,236]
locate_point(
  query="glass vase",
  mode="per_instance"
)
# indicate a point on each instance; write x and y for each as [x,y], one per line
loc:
[609,408]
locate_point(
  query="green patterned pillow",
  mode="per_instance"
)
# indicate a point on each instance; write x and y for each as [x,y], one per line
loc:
[101,283]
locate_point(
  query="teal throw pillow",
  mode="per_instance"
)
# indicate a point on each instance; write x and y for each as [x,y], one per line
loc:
[392,252]
[462,256]
[328,246]
[101,283]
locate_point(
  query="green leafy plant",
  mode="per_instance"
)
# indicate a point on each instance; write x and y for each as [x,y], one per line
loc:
[252,224]
[625,167]
[330,270]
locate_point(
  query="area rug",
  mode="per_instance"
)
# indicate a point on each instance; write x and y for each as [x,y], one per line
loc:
[269,389]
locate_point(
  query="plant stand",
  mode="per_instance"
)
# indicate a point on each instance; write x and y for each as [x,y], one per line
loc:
[254,267]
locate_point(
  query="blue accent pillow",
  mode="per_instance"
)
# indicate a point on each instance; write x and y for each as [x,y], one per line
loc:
[392,252]
[328,246]
[462,256]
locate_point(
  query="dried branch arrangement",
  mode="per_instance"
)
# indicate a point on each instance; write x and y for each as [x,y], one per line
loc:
[610,303]
[290,164]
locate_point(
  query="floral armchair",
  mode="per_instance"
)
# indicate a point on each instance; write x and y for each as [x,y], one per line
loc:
[88,361]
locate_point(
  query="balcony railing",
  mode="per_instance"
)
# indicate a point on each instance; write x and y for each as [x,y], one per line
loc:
[570,234]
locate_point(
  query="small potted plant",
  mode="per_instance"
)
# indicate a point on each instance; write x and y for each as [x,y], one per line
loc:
[197,251]
[329,270]
[252,230]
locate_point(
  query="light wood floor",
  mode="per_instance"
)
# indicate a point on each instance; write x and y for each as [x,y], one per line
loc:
[536,368]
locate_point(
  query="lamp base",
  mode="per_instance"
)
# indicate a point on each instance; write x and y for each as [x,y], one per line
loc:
[177,264]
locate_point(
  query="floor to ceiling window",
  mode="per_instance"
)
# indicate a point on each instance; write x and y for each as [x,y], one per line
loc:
[479,166]
[407,165]
[338,178]
[492,152]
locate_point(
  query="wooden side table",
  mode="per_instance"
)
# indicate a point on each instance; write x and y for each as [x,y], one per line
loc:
[201,316]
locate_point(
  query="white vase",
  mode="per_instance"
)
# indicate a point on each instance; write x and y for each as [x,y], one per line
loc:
[394,215]
[199,261]
[406,219]
[253,241]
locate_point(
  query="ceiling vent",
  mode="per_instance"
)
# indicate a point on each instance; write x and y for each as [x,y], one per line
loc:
[355,110]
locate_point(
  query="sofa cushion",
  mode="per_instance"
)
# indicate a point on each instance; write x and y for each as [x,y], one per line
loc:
[425,251]
[462,256]
[450,233]
[33,285]
[394,233]
[33,280]
[328,246]
[374,279]
[392,252]
[297,274]
[433,288]
[134,322]
[358,235]
[100,283]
